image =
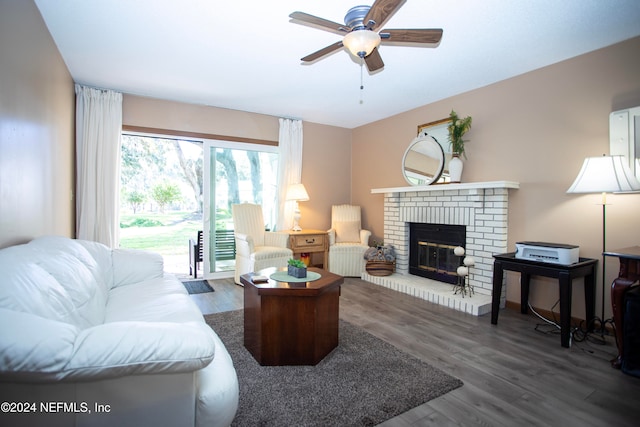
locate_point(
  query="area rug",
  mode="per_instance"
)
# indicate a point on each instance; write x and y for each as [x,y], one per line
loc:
[363,382]
[197,286]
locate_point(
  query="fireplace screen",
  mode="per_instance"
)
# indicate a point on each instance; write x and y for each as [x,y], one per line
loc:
[437,257]
[431,250]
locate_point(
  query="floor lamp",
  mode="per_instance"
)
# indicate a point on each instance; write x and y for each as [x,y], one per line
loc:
[606,174]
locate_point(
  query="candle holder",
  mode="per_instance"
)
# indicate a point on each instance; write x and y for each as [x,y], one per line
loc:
[463,286]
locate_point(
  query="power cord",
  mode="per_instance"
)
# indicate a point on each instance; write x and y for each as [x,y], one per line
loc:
[592,331]
[547,321]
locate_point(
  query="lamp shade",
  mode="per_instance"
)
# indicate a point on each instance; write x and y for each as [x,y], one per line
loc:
[297,192]
[605,174]
[361,42]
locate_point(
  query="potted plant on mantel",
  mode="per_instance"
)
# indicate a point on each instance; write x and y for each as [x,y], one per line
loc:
[457,128]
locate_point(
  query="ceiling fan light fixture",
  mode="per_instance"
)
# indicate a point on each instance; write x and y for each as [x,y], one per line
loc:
[361,42]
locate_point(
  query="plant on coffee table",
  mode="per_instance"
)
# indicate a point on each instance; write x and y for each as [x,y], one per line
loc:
[296,268]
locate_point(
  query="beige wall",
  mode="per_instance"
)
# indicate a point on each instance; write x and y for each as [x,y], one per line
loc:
[326,171]
[535,129]
[36,129]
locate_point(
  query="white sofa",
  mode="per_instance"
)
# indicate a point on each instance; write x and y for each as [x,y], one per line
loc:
[91,336]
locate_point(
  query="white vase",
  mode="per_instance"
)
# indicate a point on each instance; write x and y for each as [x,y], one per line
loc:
[455,168]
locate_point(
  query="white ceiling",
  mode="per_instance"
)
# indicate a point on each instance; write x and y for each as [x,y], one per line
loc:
[245,55]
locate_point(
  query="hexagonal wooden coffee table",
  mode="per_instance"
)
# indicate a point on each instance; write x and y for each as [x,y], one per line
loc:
[291,323]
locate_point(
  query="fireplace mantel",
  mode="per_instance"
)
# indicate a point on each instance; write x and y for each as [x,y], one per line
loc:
[449,187]
[482,207]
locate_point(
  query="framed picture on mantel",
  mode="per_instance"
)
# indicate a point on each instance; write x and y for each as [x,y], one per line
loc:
[440,132]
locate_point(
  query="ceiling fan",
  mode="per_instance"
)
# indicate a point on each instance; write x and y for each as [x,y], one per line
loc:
[361,35]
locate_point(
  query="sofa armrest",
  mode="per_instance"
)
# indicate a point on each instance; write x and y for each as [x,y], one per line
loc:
[364,237]
[244,244]
[217,390]
[276,238]
[33,348]
[133,266]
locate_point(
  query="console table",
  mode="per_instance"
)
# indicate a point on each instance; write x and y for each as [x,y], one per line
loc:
[585,267]
[628,275]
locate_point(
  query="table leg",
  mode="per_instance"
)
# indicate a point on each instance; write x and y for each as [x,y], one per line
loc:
[498,274]
[525,280]
[565,309]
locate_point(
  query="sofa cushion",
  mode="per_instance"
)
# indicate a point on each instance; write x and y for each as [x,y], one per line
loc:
[47,246]
[87,295]
[132,266]
[102,256]
[156,300]
[37,349]
[73,266]
[56,286]
[130,348]
[28,288]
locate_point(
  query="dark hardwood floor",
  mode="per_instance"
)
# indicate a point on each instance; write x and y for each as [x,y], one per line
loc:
[513,375]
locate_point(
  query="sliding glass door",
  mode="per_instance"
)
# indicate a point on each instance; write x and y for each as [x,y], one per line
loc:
[234,173]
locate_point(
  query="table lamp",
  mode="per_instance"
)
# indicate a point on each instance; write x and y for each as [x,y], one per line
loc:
[297,193]
[605,174]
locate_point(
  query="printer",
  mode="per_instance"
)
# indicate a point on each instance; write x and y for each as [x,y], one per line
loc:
[555,253]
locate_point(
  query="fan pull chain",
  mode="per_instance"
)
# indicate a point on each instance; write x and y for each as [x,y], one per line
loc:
[361,80]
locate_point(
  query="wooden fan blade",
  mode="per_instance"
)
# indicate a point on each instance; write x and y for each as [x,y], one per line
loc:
[430,36]
[374,60]
[321,23]
[381,11]
[322,52]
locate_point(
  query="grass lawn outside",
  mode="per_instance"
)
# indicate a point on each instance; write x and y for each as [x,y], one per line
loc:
[167,234]
[170,237]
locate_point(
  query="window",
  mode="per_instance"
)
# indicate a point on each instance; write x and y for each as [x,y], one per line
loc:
[173,186]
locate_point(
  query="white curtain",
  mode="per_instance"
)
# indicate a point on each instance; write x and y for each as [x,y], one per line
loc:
[98,130]
[290,168]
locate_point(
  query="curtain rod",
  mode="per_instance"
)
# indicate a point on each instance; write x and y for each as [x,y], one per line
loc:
[142,129]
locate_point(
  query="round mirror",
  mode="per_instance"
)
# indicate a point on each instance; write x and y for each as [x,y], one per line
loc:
[423,162]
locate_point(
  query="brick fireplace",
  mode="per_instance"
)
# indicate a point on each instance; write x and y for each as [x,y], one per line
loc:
[481,207]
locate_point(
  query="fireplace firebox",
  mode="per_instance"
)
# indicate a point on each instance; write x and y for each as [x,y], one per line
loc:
[431,250]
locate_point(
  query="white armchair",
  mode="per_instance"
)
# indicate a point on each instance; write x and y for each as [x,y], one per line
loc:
[256,248]
[347,241]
